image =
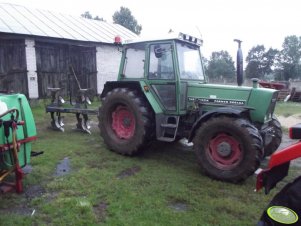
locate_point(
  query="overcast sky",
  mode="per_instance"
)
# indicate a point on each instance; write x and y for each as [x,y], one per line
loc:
[265,22]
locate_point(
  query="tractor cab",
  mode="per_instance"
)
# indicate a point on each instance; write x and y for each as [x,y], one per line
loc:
[166,66]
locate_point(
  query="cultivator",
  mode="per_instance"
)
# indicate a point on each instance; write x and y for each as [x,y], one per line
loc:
[79,108]
[15,144]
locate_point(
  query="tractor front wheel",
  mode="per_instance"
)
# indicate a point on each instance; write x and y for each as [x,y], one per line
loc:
[228,148]
[125,121]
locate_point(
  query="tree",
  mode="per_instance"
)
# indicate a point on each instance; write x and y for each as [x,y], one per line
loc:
[125,18]
[254,62]
[221,65]
[98,18]
[260,62]
[88,15]
[289,59]
[268,60]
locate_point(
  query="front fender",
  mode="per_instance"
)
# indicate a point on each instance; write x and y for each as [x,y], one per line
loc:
[232,112]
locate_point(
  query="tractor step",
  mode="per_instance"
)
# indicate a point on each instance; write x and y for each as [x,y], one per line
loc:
[167,127]
[166,139]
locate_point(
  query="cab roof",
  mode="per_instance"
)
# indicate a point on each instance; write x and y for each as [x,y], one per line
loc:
[170,36]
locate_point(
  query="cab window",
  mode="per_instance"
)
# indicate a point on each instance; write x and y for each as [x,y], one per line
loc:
[190,63]
[161,63]
[134,62]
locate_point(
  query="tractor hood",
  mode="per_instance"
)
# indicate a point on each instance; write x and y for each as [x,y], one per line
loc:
[208,95]
[216,93]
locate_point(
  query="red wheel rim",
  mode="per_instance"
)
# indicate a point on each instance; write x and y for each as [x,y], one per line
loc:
[224,151]
[123,122]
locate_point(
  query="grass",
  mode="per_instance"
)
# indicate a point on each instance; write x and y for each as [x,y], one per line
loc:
[287,108]
[161,186]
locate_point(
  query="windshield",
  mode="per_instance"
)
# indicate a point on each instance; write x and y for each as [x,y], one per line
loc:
[190,63]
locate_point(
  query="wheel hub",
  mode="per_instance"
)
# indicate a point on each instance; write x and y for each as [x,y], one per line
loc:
[224,151]
[123,122]
[127,122]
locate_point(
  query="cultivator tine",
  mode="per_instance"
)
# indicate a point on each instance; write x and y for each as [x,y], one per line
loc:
[80,107]
[57,122]
[83,123]
[61,99]
[88,101]
[60,121]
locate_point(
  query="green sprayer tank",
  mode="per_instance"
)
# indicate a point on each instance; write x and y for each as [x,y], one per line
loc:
[14,110]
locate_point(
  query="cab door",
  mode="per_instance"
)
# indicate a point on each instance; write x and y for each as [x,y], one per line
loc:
[162,76]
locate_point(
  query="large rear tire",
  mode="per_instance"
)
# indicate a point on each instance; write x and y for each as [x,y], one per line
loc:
[276,139]
[228,149]
[125,121]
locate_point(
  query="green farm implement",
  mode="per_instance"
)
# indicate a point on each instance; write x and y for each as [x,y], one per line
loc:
[17,131]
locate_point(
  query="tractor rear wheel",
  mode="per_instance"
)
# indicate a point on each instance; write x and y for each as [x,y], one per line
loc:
[276,139]
[125,121]
[228,148]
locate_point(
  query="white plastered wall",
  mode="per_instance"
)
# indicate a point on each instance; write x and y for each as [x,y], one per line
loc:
[31,64]
[107,61]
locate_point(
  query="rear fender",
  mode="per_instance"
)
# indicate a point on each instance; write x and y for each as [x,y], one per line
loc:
[140,86]
[134,85]
[226,111]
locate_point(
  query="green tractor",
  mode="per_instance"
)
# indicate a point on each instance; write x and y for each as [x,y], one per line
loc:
[162,94]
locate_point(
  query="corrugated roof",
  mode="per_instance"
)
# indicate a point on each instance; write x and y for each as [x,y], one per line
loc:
[23,20]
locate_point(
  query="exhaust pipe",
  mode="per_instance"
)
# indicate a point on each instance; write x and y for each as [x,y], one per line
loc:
[239,64]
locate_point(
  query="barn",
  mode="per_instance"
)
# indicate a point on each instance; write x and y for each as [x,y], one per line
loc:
[41,49]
